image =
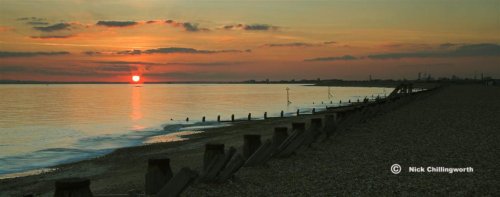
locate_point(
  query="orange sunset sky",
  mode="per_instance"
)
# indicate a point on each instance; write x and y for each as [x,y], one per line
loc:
[235,40]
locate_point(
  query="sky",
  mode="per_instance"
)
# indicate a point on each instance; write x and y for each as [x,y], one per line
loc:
[236,40]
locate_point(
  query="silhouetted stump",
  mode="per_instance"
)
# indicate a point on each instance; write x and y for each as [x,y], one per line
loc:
[280,134]
[216,165]
[203,119]
[236,162]
[157,175]
[265,115]
[261,155]
[292,142]
[250,144]
[249,116]
[73,187]
[178,183]
[232,118]
[313,132]
[211,151]
[218,118]
[282,114]
[330,125]
[298,112]
[298,126]
[314,111]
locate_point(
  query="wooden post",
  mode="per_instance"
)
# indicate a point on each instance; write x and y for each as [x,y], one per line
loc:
[314,111]
[298,126]
[349,101]
[298,112]
[211,151]
[157,175]
[187,119]
[250,144]
[282,114]
[330,125]
[232,166]
[280,134]
[313,132]
[178,183]
[265,115]
[232,118]
[203,119]
[340,101]
[249,116]
[70,187]
[218,118]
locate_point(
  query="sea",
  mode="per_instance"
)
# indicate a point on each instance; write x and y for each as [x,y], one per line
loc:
[44,125]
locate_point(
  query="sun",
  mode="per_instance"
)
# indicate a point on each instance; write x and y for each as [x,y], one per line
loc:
[136,78]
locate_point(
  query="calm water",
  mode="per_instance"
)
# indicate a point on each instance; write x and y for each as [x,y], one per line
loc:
[44,125]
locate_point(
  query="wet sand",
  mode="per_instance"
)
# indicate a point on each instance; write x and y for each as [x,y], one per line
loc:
[455,126]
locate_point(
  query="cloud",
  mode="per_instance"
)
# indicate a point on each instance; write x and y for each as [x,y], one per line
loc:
[116,23]
[6,54]
[92,53]
[121,68]
[291,44]
[52,37]
[55,27]
[30,19]
[466,50]
[177,50]
[252,27]
[36,23]
[205,63]
[187,26]
[259,27]
[221,63]
[330,42]
[325,59]
[55,71]
[128,62]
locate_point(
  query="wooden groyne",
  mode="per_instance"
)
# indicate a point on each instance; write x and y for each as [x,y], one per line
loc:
[221,163]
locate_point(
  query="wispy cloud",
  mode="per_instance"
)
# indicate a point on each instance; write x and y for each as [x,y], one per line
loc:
[177,50]
[326,59]
[187,26]
[52,37]
[466,50]
[52,28]
[6,54]
[116,23]
[251,27]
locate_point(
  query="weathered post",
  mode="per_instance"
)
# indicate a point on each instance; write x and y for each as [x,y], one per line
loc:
[298,126]
[298,112]
[313,131]
[218,118]
[280,134]
[265,115]
[314,111]
[282,114]
[178,183]
[250,144]
[203,119]
[232,118]
[70,187]
[340,101]
[211,152]
[349,101]
[330,125]
[249,116]
[157,175]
